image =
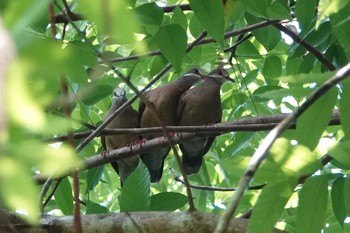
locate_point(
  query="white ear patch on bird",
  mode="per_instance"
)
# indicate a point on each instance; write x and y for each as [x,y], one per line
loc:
[118,92]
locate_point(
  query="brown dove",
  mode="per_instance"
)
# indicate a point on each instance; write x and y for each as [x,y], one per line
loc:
[164,101]
[200,105]
[129,118]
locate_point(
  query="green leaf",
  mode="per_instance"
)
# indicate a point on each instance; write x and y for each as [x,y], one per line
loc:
[338,200]
[93,177]
[179,18]
[344,109]
[266,93]
[110,20]
[293,160]
[270,205]
[64,197]
[21,14]
[302,79]
[270,9]
[312,123]
[18,190]
[195,26]
[269,37]
[340,152]
[247,49]
[272,69]
[94,92]
[212,20]
[135,193]
[305,11]
[340,23]
[149,13]
[168,201]
[172,41]
[312,205]
[95,208]
[329,7]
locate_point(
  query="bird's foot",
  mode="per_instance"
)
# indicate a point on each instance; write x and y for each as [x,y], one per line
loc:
[137,143]
[105,153]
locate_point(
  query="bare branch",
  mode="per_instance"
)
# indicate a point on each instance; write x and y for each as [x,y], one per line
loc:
[251,124]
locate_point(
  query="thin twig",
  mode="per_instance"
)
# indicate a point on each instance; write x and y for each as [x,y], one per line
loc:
[227,35]
[322,58]
[211,188]
[263,149]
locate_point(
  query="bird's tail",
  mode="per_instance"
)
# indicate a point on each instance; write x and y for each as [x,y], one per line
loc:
[191,165]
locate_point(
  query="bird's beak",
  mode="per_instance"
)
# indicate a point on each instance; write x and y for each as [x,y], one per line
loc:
[228,78]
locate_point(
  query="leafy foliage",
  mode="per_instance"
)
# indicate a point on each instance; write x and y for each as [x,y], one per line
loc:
[273,73]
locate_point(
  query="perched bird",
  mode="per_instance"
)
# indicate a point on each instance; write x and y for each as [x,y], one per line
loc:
[159,109]
[200,105]
[129,118]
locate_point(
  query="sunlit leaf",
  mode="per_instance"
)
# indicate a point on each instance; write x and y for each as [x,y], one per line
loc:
[329,7]
[340,152]
[23,195]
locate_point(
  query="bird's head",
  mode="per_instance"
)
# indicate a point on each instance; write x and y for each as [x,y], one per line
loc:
[220,74]
[191,76]
[119,95]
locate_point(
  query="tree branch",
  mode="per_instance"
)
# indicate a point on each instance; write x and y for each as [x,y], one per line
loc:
[307,46]
[145,222]
[264,147]
[251,124]
[227,35]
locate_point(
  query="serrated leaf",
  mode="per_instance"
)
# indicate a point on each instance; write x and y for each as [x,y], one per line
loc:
[168,201]
[270,205]
[338,200]
[93,177]
[64,197]
[212,20]
[312,205]
[135,193]
[340,152]
[312,123]
[172,41]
